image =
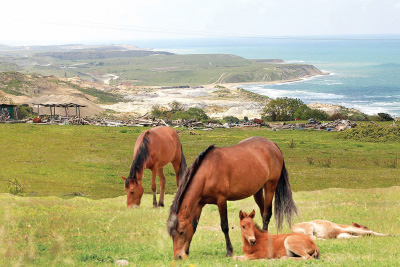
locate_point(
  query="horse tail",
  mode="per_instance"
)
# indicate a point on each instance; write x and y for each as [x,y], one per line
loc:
[182,166]
[284,204]
[316,253]
[142,155]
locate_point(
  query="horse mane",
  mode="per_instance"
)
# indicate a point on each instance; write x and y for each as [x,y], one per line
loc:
[140,159]
[183,186]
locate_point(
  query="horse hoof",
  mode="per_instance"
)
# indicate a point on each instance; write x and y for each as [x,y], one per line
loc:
[228,254]
[161,205]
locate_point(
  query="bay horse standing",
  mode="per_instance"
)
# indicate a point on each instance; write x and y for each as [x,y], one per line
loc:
[259,244]
[254,167]
[154,148]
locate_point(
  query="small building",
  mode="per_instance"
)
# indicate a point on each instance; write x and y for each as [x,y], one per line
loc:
[8,111]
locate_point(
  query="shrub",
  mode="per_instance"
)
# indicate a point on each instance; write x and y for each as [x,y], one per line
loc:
[372,133]
[292,144]
[286,109]
[231,119]
[16,187]
[337,116]
[385,116]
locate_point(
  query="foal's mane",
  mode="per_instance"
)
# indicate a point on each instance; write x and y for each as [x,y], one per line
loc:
[259,228]
[140,159]
[183,186]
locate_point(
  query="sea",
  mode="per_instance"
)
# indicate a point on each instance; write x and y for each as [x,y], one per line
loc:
[364,71]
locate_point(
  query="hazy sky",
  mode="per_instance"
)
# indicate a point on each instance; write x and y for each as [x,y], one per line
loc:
[87,21]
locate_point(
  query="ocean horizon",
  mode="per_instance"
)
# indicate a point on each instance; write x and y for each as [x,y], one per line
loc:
[364,71]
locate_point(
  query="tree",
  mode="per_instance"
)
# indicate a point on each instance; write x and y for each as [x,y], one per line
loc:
[282,109]
[176,106]
[385,116]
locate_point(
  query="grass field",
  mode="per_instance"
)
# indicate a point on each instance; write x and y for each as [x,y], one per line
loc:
[334,179]
[51,231]
[69,160]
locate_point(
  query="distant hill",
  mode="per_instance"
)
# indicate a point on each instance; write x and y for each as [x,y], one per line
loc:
[129,64]
[99,54]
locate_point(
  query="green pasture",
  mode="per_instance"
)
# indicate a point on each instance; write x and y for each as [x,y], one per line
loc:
[51,231]
[335,179]
[64,161]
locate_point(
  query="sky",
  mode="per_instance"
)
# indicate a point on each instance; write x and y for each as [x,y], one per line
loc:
[90,22]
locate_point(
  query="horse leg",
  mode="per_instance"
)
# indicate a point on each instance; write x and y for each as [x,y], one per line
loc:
[259,198]
[297,246]
[269,189]
[162,187]
[223,213]
[196,217]
[154,186]
[177,168]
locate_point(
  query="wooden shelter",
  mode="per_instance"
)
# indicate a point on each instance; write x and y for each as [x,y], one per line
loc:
[65,106]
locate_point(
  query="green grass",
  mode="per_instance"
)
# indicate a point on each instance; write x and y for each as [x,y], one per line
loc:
[176,69]
[66,160]
[51,227]
[51,231]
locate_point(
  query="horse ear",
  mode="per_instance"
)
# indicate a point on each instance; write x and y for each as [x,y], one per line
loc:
[123,177]
[241,216]
[252,214]
[356,225]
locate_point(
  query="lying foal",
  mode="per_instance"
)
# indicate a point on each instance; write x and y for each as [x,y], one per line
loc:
[259,244]
[322,229]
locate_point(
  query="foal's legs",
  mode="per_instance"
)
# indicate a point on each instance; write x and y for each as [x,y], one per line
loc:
[161,176]
[223,213]
[296,245]
[269,189]
[154,186]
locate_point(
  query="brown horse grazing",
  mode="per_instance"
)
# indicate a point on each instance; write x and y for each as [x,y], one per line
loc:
[255,167]
[322,229]
[154,149]
[259,244]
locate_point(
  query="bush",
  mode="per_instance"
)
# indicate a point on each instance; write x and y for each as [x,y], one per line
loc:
[231,119]
[24,111]
[337,116]
[287,109]
[372,133]
[192,113]
[16,187]
[385,116]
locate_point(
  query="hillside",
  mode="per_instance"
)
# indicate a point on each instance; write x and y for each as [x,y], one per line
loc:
[20,88]
[147,67]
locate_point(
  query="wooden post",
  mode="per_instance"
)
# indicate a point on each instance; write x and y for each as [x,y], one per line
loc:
[38,111]
[16,113]
[79,108]
[51,113]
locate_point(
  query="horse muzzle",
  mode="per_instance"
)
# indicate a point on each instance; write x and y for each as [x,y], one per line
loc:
[181,256]
[252,241]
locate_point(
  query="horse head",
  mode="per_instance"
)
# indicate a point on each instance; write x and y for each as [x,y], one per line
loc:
[361,226]
[181,228]
[134,191]
[247,227]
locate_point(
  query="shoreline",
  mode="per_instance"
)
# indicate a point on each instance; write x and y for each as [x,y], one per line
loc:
[233,86]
